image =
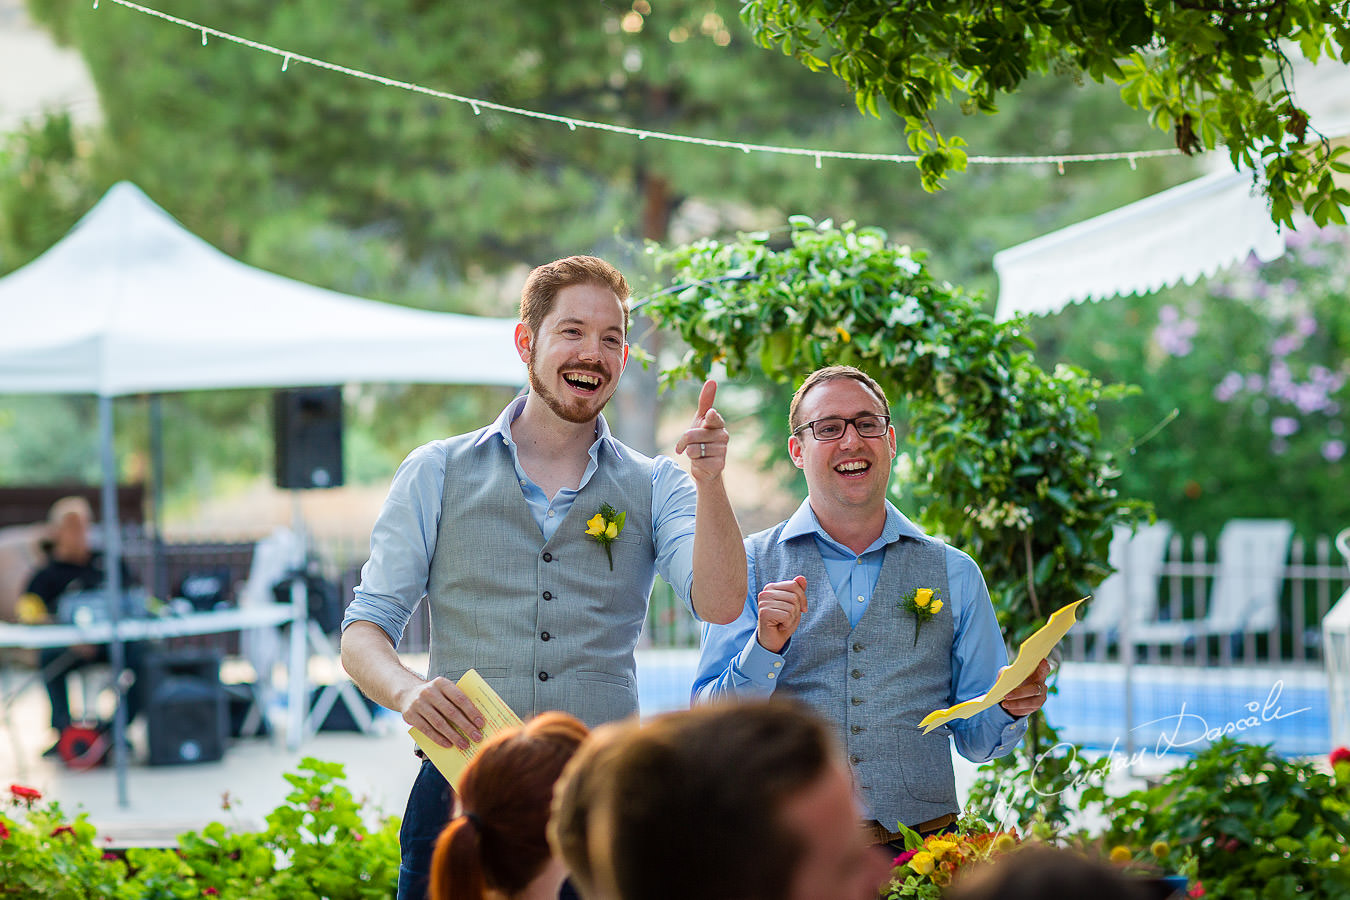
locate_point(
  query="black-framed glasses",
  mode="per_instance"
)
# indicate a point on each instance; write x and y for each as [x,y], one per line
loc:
[832,428]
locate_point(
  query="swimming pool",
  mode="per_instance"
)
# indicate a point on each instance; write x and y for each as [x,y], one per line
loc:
[1176,709]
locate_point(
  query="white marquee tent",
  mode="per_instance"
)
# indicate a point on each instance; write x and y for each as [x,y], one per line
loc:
[130,302]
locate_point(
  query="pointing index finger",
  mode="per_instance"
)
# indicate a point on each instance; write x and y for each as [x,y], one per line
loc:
[706,397]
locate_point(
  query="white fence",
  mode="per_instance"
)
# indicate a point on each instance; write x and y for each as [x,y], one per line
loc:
[1276,618]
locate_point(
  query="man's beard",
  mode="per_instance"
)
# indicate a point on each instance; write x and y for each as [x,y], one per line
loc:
[578,414]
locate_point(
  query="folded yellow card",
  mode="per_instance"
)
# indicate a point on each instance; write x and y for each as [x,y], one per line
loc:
[1033,650]
[497,717]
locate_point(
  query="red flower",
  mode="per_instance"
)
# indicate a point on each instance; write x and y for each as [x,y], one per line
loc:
[4,831]
[1340,754]
[903,858]
[63,829]
[109,857]
[25,793]
[210,892]
[358,837]
[1197,891]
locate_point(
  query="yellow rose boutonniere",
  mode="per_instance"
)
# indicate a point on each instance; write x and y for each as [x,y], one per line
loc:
[924,604]
[605,526]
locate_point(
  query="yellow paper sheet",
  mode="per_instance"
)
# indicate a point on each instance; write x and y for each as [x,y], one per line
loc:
[1029,655]
[497,717]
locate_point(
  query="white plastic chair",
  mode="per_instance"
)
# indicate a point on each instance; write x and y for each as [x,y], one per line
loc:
[1245,596]
[1137,557]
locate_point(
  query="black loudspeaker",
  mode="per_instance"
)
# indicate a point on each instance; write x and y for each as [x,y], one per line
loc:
[307,425]
[186,709]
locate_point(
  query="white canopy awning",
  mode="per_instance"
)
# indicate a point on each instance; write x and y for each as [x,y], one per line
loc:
[1181,234]
[1191,230]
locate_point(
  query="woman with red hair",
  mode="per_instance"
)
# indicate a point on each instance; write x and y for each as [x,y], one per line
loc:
[496,848]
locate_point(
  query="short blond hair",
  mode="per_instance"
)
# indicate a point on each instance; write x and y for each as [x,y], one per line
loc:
[66,506]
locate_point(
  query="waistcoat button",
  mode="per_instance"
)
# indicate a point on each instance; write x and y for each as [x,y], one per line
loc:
[545,636]
[855,673]
[548,557]
[548,595]
[857,701]
[543,676]
[857,648]
[857,729]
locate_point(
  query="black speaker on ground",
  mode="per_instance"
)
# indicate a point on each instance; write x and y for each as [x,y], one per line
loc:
[307,425]
[186,710]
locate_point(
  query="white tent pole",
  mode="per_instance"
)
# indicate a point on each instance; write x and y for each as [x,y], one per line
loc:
[112,537]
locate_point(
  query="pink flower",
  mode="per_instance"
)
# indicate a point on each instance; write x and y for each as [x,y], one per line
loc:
[210,892]
[63,829]
[4,832]
[1340,755]
[1197,891]
[903,858]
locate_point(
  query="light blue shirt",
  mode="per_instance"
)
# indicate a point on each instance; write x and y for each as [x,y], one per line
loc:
[395,578]
[733,661]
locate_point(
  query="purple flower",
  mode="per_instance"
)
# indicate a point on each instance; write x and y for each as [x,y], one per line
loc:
[1228,388]
[1285,344]
[1306,326]
[1333,451]
[1174,333]
[1283,426]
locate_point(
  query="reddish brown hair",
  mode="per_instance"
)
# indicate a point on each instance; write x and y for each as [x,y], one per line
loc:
[541,288]
[498,839]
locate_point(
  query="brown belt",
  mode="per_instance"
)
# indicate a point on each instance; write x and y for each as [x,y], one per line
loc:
[880,835]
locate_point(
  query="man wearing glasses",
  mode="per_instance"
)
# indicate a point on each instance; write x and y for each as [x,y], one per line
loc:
[830,619]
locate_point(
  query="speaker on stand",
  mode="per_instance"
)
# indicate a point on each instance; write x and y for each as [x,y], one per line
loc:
[308,433]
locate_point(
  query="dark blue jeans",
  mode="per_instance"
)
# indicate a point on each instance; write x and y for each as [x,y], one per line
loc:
[429,807]
[430,804]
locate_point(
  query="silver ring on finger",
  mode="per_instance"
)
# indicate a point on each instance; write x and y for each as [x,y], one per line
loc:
[702,450]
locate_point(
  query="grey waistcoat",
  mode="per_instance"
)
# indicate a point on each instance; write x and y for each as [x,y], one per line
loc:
[548,625]
[873,681]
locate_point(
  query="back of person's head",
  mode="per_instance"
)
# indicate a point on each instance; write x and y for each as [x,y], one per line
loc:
[497,841]
[583,780]
[689,805]
[544,283]
[1040,872]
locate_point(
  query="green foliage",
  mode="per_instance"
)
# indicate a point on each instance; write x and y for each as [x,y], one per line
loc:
[1260,827]
[317,845]
[1214,75]
[1255,360]
[44,186]
[1006,456]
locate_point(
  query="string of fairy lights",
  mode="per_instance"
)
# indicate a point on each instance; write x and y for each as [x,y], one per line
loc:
[478,104]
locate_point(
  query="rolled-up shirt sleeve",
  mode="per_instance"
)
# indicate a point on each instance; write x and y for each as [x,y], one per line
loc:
[731,661]
[674,505]
[978,653]
[394,579]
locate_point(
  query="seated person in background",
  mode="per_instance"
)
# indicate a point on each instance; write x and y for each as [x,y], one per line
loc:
[739,801]
[496,847]
[72,565]
[1037,872]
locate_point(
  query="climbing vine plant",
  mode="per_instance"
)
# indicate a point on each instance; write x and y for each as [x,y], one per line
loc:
[1007,458]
